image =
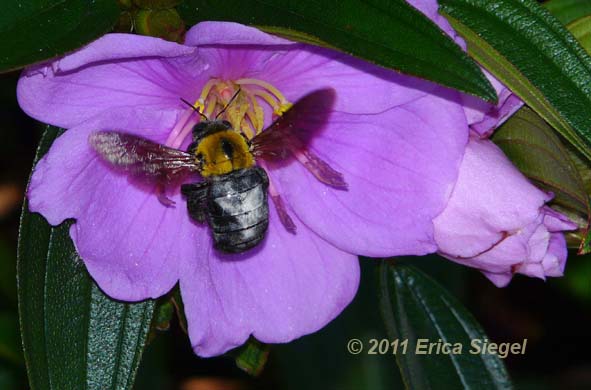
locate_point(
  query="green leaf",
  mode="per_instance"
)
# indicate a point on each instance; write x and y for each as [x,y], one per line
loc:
[74,337]
[522,45]
[389,33]
[35,30]
[415,307]
[568,10]
[536,150]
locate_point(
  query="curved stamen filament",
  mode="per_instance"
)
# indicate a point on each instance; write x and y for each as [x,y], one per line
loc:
[245,113]
[211,106]
[200,103]
[266,86]
[178,129]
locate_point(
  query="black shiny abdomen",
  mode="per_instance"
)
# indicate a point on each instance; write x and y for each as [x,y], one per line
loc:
[235,206]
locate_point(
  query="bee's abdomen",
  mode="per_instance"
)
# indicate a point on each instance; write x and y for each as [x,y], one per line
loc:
[238,210]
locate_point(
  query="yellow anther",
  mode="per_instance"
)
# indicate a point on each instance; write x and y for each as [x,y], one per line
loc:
[283,108]
[200,103]
[199,106]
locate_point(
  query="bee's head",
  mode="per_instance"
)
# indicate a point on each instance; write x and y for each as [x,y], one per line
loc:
[207,128]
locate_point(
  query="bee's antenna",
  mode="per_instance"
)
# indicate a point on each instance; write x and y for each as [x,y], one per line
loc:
[195,109]
[229,102]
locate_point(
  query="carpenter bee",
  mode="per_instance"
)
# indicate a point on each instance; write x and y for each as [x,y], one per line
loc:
[232,195]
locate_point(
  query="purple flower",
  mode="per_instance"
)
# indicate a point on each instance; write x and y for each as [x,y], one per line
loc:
[398,142]
[498,222]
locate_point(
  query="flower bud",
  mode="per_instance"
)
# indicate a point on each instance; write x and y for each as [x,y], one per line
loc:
[166,24]
[498,222]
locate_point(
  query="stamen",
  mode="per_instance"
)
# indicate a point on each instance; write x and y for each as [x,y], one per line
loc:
[271,100]
[211,106]
[245,114]
[266,86]
[178,127]
[256,114]
[184,133]
[246,129]
[200,103]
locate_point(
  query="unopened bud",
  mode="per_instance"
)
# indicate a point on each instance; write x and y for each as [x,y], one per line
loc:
[166,24]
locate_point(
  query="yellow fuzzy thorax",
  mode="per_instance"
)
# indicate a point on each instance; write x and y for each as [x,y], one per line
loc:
[213,158]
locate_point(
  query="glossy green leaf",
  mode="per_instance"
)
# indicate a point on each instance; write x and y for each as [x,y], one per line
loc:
[389,33]
[535,56]
[415,307]
[74,337]
[568,10]
[35,30]
[531,144]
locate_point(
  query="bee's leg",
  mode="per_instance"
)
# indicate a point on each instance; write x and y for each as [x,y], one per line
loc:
[280,207]
[320,168]
[196,194]
[165,200]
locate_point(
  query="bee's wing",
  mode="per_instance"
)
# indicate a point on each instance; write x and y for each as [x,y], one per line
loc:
[294,128]
[142,158]
[290,134]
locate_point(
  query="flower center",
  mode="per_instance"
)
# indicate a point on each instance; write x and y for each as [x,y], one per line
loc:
[245,112]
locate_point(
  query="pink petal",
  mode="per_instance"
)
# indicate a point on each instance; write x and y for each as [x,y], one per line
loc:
[483,204]
[288,286]
[101,77]
[113,47]
[431,9]
[400,167]
[297,69]
[484,117]
[128,240]
[555,259]
[229,33]
[499,279]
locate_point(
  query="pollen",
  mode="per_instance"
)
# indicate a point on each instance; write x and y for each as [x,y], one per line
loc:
[241,102]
